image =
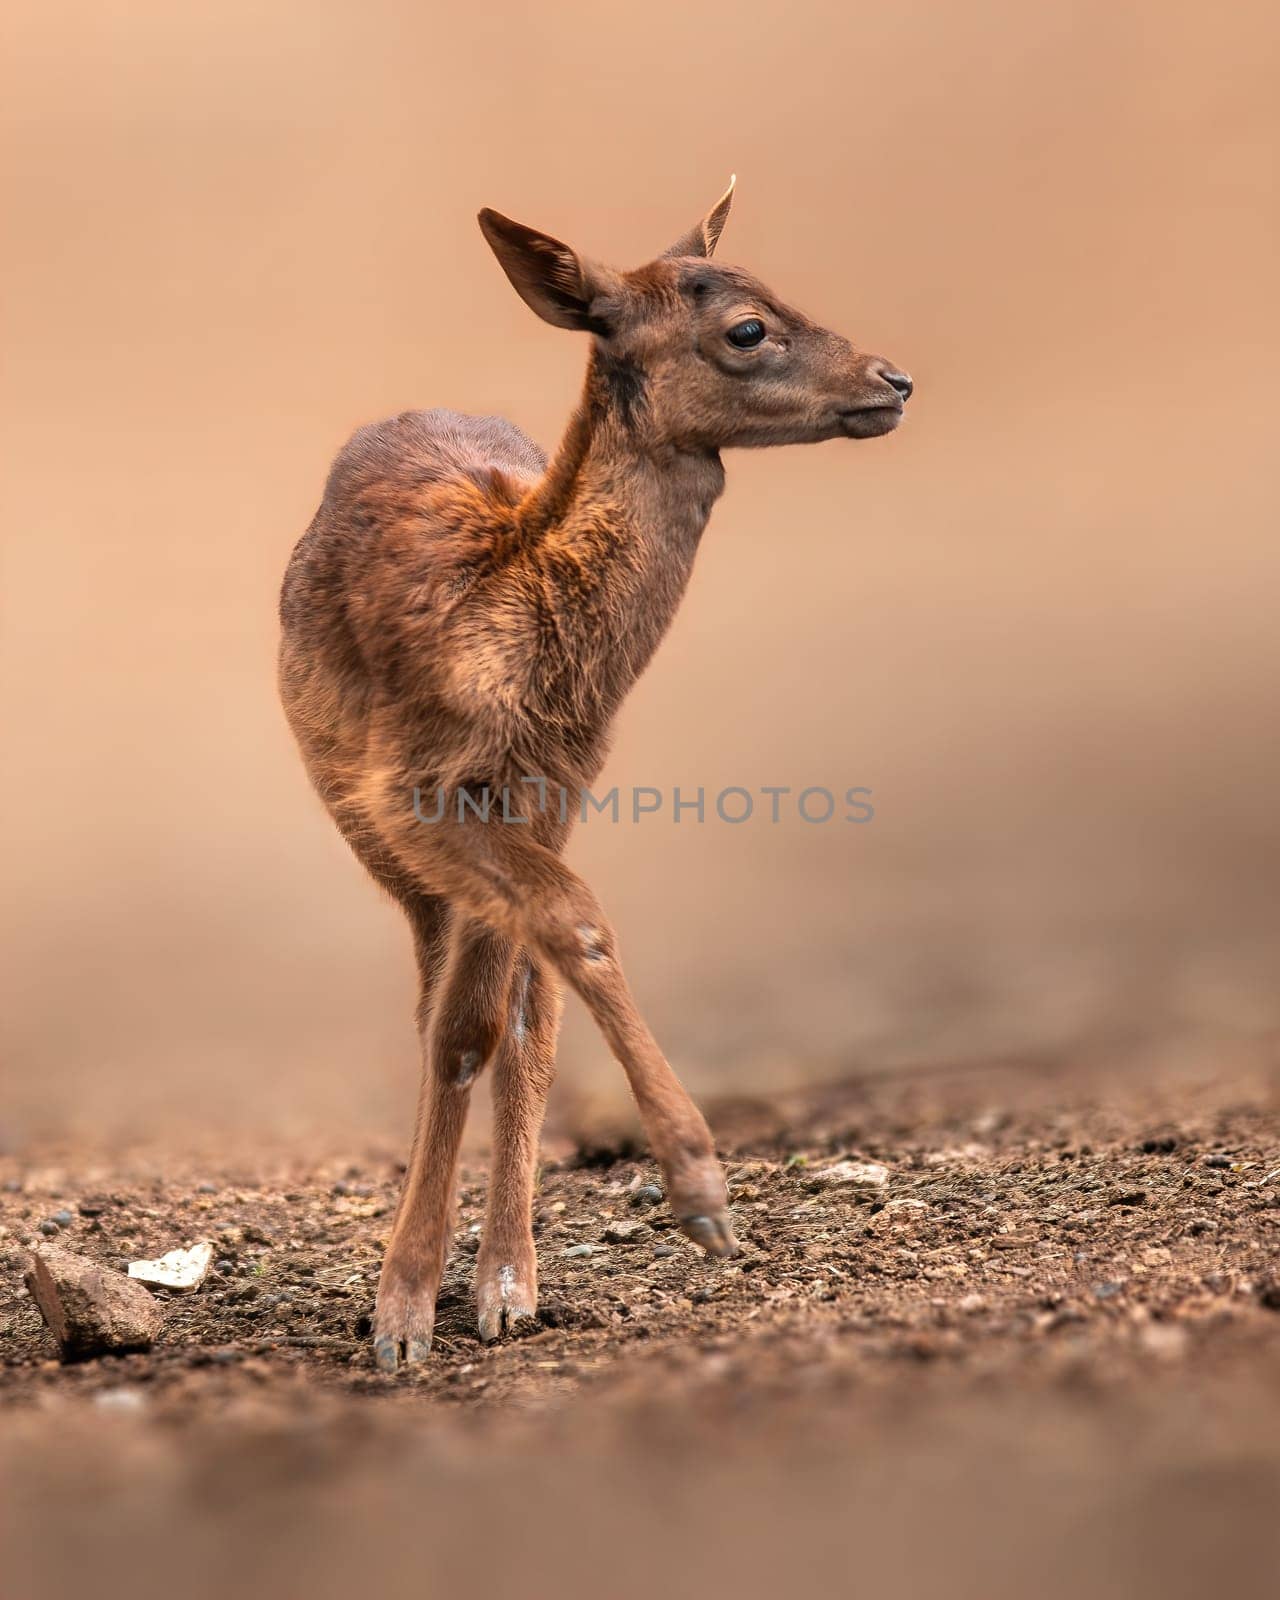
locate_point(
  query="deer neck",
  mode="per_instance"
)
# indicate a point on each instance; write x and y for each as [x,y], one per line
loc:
[620,515]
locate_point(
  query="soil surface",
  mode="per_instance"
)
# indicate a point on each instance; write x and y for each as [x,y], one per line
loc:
[1046,1315]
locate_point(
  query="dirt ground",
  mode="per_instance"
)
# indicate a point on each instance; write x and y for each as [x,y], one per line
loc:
[1005,1331]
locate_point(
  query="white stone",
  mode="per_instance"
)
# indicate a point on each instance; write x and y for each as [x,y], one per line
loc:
[867,1174]
[180,1270]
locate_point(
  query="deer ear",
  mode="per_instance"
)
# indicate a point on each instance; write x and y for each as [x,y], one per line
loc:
[702,239]
[549,277]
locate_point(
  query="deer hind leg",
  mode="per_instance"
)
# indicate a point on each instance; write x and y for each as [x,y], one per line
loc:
[461,1028]
[506,878]
[507,1264]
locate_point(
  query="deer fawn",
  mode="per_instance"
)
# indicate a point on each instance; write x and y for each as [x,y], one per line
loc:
[462,619]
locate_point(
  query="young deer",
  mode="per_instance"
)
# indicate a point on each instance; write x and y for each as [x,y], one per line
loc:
[465,615]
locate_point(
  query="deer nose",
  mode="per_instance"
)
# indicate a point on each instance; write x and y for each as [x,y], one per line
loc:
[897,380]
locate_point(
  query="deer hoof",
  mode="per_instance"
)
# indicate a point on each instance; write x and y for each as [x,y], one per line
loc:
[390,1355]
[714,1233]
[503,1302]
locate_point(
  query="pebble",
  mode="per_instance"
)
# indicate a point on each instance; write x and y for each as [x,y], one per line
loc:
[625,1232]
[661,1251]
[1165,1340]
[581,1250]
[49,1227]
[648,1194]
[905,1207]
[866,1174]
[119,1400]
[1108,1291]
[206,1188]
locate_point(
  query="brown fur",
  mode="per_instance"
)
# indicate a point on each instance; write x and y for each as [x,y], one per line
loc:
[464,614]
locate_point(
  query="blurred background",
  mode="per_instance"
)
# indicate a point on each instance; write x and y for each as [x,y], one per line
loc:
[1039,622]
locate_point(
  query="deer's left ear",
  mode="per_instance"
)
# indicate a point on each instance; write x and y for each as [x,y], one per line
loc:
[701,240]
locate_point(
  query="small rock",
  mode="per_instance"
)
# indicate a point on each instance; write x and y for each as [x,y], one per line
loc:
[581,1250]
[90,1310]
[1164,1145]
[50,1228]
[866,1174]
[1218,1163]
[661,1251]
[119,1400]
[964,1152]
[648,1194]
[181,1270]
[1108,1291]
[1165,1340]
[625,1232]
[206,1188]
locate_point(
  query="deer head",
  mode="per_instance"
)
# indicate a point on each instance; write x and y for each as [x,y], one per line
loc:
[703,356]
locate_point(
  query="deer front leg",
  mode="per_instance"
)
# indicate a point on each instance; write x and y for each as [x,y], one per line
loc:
[463,1031]
[507,1264]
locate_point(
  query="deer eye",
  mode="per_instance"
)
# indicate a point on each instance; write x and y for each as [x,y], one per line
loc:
[746,335]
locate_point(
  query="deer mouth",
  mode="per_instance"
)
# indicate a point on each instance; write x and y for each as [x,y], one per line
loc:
[868,422]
